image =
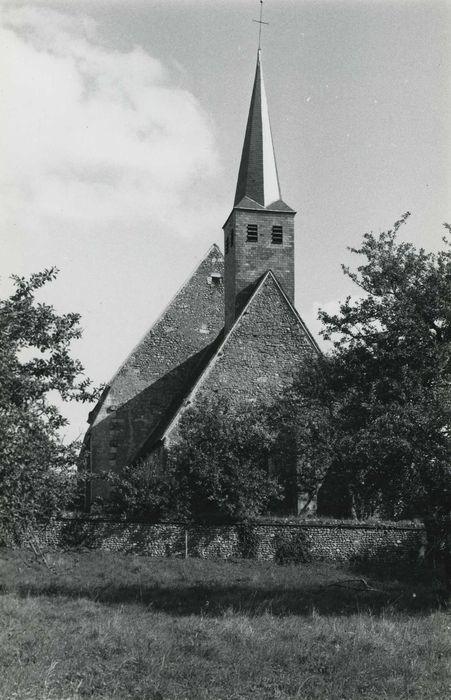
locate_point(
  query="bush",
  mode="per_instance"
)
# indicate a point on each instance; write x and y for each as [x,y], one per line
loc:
[292,547]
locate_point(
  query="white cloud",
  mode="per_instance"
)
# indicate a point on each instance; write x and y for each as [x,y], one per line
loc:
[92,138]
[107,166]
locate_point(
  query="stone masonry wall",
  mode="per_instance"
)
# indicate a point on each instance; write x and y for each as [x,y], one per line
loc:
[339,542]
[245,262]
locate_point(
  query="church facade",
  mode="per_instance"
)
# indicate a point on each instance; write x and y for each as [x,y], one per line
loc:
[231,331]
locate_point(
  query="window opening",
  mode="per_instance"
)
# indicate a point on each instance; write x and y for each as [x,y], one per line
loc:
[215,278]
[232,238]
[252,233]
[277,235]
[227,245]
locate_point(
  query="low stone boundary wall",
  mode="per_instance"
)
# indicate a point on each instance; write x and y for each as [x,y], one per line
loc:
[282,541]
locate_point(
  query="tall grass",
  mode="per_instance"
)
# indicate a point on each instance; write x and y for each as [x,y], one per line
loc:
[121,627]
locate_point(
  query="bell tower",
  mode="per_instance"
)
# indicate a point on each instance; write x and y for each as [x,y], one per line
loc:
[259,233]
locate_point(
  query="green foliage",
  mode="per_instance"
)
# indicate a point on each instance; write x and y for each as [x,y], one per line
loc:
[386,386]
[305,436]
[230,463]
[387,381]
[248,539]
[35,362]
[221,462]
[142,492]
[292,547]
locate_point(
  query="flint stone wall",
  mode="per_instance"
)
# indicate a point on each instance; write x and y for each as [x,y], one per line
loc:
[337,541]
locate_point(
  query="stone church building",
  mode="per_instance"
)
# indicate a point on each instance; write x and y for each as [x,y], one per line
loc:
[232,330]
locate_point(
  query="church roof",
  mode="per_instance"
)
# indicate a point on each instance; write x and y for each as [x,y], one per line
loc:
[258,179]
[156,374]
[187,325]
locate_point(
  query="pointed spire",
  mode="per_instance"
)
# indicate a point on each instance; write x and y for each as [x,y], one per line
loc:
[257,177]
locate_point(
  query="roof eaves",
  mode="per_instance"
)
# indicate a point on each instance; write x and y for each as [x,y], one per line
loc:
[243,205]
[92,415]
[280,205]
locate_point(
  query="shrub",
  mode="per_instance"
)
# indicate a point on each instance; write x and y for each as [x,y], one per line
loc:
[292,547]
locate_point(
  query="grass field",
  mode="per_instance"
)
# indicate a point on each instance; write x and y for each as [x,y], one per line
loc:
[122,627]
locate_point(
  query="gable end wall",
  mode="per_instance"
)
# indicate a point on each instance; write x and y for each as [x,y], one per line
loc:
[260,356]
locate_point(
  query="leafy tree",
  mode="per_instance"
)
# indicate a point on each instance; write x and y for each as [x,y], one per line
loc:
[221,462]
[387,382]
[35,363]
[230,463]
[304,446]
[142,491]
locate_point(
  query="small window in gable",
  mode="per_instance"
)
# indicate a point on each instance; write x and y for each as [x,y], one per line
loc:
[227,245]
[232,238]
[216,278]
[277,235]
[252,233]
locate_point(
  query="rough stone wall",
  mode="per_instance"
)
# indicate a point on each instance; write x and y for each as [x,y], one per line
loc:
[262,353]
[340,542]
[245,261]
[156,374]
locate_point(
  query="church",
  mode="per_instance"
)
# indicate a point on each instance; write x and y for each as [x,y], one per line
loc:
[231,331]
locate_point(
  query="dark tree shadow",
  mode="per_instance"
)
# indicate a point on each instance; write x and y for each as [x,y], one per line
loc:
[345,597]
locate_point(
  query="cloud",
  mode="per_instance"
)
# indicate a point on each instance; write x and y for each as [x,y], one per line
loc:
[107,167]
[92,138]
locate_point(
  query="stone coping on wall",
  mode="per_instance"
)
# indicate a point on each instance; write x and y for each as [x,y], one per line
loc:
[257,522]
[345,524]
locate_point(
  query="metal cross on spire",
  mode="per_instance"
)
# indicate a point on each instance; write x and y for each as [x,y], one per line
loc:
[260,22]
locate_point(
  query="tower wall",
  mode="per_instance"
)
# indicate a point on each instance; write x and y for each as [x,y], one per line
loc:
[246,261]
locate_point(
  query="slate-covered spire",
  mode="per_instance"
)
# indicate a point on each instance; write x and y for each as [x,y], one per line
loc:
[257,177]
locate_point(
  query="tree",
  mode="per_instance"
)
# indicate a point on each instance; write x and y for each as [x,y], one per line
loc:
[221,462]
[35,364]
[387,381]
[304,446]
[143,491]
[230,463]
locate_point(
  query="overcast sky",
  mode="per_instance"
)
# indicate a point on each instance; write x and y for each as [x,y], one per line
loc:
[121,127]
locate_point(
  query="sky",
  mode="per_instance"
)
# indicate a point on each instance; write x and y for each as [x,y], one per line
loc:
[121,128]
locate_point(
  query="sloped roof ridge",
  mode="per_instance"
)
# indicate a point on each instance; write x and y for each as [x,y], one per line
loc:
[210,364]
[215,247]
